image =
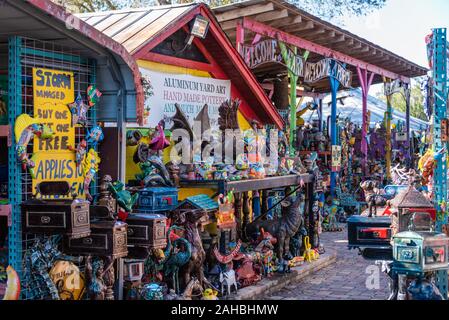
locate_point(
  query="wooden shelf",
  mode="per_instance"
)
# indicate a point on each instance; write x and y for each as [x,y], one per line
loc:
[224,186]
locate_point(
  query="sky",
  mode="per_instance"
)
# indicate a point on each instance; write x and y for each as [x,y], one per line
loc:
[401,26]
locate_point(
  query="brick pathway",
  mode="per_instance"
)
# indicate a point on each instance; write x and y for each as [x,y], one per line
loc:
[343,280]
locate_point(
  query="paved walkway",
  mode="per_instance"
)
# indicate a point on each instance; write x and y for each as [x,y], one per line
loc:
[344,280]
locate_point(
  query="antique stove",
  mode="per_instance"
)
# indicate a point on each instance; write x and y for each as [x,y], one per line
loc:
[55,213]
[108,236]
[148,230]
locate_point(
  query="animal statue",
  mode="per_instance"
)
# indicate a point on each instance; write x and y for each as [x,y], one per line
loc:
[285,228]
[177,258]
[372,196]
[25,129]
[123,197]
[227,278]
[247,273]
[189,220]
[210,294]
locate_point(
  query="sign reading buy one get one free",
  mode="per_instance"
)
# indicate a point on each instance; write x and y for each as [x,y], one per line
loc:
[52,91]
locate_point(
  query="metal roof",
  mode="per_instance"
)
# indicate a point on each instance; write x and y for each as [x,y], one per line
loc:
[46,21]
[286,17]
[133,28]
[139,30]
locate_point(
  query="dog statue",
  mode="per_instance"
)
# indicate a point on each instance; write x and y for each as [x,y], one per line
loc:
[227,278]
[372,196]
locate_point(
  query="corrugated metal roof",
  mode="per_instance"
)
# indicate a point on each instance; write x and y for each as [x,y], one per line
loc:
[133,28]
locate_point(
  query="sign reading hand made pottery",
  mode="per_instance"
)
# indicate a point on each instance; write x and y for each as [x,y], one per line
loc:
[190,92]
[336,158]
[269,51]
[327,68]
[53,90]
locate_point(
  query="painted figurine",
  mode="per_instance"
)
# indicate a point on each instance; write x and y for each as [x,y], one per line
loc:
[94,136]
[26,128]
[124,198]
[159,142]
[80,152]
[98,278]
[90,169]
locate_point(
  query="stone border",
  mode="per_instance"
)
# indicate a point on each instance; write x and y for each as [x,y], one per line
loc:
[278,281]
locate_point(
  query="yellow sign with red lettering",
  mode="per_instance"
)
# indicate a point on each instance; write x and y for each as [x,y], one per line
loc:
[52,91]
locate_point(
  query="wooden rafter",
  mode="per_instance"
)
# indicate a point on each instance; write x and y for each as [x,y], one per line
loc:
[244,12]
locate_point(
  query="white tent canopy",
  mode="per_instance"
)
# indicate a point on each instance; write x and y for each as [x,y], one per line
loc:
[350,105]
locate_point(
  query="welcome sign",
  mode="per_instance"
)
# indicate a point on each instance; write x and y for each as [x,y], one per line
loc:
[52,91]
[327,68]
[269,51]
[190,92]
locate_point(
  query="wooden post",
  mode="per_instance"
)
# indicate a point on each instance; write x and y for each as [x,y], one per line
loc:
[388,116]
[365,84]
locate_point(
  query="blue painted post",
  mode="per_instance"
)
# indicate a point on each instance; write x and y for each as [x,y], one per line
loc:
[440,89]
[14,181]
[440,81]
[334,89]
[256,204]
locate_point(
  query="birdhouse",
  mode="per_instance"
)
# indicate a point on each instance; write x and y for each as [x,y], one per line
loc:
[404,206]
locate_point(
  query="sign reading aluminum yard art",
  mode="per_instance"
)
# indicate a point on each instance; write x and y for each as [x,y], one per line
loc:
[327,68]
[269,51]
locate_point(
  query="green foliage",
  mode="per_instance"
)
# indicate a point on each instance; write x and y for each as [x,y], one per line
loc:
[326,9]
[334,9]
[416,102]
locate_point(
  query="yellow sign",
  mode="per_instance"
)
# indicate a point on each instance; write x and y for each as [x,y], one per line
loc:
[68,280]
[52,91]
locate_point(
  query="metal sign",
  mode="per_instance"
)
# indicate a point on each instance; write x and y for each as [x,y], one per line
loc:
[394,87]
[327,68]
[268,51]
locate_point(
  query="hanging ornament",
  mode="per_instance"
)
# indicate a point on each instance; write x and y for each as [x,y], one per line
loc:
[80,152]
[90,166]
[24,129]
[79,111]
[94,136]
[93,95]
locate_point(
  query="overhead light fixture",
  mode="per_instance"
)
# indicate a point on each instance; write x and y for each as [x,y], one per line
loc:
[199,28]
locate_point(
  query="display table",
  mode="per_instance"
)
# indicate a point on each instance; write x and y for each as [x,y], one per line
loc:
[224,186]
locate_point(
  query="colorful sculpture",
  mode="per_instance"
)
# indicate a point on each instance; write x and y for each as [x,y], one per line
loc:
[124,198]
[12,285]
[93,95]
[90,166]
[79,111]
[94,136]
[177,259]
[26,128]
[159,142]
[80,152]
